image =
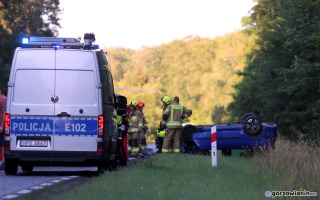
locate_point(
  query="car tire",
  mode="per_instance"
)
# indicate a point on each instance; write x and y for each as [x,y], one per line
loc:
[186,141]
[187,132]
[245,116]
[252,126]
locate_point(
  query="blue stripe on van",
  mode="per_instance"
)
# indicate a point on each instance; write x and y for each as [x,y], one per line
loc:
[76,126]
[46,126]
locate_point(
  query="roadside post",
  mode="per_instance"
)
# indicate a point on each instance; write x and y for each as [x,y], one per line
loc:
[214,146]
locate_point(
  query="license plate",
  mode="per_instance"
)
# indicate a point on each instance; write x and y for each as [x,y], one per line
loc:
[34,143]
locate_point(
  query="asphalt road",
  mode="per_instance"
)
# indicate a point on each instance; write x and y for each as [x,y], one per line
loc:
[41,177]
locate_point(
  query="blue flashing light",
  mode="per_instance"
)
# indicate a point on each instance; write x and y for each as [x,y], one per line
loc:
[95,46]
[25,40]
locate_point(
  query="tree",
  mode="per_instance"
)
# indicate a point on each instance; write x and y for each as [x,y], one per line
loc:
[200,71]
[24,17]
[281,80]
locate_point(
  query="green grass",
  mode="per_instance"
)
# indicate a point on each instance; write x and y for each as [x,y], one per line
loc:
[290,166]
[178,176]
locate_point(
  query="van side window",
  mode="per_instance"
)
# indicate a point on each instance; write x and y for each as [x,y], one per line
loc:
[106,79]
[111,89]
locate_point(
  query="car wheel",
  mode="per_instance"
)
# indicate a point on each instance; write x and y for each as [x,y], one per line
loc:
[10,167]
[187,132]
[245,116]
[226,152]
[27,168]
[252,126]
[186,142]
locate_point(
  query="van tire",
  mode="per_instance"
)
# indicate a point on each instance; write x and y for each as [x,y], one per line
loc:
[11,167]
[101,168]
[27,168]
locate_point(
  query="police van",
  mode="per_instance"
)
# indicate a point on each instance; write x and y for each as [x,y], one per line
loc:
[60,105]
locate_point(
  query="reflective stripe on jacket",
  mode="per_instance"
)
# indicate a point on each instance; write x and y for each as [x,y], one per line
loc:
[174,112]
[135,122]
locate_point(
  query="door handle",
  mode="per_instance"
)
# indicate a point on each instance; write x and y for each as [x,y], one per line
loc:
[63,114]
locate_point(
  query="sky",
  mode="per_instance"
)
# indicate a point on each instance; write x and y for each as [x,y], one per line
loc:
[136,24]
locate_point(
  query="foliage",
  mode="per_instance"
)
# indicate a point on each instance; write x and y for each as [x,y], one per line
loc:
[281,81]
[24,17]
[200,71]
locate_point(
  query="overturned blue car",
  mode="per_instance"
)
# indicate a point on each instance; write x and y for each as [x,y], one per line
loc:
[248,133]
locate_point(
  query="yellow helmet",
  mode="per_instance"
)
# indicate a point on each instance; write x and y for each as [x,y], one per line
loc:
[166,99]
[132,103]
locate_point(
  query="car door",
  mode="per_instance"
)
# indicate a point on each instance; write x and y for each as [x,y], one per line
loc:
[31,108]
[76,109]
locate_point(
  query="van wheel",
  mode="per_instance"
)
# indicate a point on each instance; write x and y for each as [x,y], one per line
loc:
[27,168]
[10,167]
[101,168]
[113,165]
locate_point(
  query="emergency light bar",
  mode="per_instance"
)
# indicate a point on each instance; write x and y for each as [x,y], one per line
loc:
[56,42]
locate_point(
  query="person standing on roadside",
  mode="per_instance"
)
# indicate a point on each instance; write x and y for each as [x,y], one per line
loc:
[173,116]
[3,101]
[144,129]
[123,125]
[161,132]
[135,126]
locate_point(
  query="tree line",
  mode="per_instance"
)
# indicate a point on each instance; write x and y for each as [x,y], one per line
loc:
[19,18]
[271,68]
[281,80]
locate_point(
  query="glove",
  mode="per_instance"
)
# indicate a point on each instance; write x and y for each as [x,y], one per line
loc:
[161,133]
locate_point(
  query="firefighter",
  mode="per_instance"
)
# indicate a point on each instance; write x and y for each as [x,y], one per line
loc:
[123,125]
[144,129]
[135,126]
[166,100]
[173,116]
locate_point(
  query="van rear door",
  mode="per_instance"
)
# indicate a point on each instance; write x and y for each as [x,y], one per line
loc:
[31,108]
[76,111]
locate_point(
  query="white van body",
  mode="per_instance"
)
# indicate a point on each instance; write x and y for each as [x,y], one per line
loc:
[60,109]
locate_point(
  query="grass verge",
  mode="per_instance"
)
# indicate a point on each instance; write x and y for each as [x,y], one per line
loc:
[178,176]
[290,166]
